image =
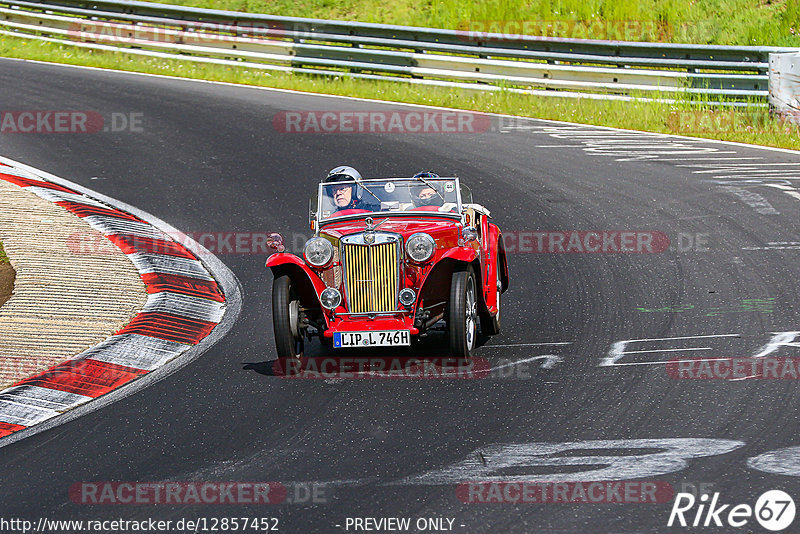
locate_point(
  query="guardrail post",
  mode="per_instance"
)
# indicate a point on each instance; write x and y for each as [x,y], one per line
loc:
[784,86]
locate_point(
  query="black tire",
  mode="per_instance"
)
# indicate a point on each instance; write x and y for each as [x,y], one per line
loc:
[490,326]
[288,345]
[462,314]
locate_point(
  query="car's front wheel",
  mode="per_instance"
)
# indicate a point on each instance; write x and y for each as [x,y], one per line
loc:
[462,314]
[286,320]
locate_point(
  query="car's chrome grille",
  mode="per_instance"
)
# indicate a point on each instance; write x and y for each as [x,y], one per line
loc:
[372,273]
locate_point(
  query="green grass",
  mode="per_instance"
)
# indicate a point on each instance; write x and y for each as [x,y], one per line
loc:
[726,22]
[3,257]
[684,118]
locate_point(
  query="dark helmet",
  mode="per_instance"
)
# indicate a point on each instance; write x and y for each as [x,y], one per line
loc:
[416,188]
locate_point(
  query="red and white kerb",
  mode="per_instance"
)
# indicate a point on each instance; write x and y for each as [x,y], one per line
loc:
[184,305]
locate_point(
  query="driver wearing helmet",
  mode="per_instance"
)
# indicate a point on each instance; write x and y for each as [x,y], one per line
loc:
[345,195]
[425,195]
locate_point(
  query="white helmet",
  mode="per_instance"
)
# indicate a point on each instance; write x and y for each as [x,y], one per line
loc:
[343,173]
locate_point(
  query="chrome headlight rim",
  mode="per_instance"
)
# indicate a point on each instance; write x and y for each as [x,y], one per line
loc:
[407,297]
[425,238]
[328,252]
[337,298]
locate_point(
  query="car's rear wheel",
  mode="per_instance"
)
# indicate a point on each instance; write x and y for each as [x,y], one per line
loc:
[462,314]
[286,321]
[490,326]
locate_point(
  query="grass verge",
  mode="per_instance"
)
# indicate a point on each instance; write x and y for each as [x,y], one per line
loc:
[684,118]
[724,22]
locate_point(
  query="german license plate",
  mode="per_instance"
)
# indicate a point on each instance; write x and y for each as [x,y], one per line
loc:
[388,338]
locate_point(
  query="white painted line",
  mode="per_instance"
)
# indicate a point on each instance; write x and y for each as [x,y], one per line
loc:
[617,351]
[776,247]
[755,178]
[531,344]
[733,166]
[664,362]
[682,337]
[743,170]
[707,159]
[551,361]
[664,350]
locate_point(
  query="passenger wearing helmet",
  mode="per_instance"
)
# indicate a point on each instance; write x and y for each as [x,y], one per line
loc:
[425,194]
[345,195]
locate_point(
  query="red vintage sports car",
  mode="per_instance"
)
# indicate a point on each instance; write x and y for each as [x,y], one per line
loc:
[390,259]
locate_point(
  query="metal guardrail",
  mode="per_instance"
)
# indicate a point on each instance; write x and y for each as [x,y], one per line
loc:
[576,67]
[784,86]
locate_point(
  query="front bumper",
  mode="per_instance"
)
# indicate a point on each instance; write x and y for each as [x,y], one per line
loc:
[361,323]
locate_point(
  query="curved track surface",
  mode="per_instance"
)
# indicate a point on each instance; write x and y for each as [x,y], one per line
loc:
[208,159]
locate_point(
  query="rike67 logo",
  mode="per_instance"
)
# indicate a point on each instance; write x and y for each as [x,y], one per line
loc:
[774,510]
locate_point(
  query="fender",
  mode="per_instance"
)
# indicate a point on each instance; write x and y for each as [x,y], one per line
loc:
[290,263]
[498,249]
[448,261]
[465,254]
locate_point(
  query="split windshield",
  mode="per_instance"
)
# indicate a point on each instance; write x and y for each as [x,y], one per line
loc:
[393,195]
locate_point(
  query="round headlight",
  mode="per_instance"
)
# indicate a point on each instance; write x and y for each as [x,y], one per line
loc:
[407,296]
[318,251]
[420,247]
[330,298]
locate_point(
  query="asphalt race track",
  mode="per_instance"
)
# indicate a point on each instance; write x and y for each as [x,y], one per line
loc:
[207,159]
